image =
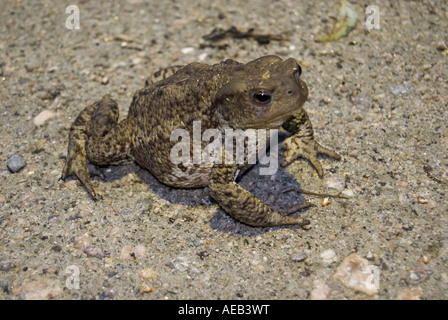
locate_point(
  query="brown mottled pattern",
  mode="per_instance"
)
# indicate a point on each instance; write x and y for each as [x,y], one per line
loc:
[219,96]
[162,74]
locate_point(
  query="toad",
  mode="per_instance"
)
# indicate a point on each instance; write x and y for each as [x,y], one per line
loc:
[266,93]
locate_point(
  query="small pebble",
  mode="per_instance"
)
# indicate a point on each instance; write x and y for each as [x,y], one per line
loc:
[4,286]
[140,250]
[348,193]
[299,257]
[326,201]
[326,100]
[329,256]
[403,184]
[107,294]
[320,291]
[148,273]
[15,163]
[414,277]
[42,117]
[6,265]
[335,183]
[179,263]
[94,251]
[408,226]
[137,60]
[145,288]
[197,242]
[187,50]
[432,204]
[39,289]
[125,253]
[363,103]
[426,258]
[410,294]
[422,200]
[441,46]
[401,89]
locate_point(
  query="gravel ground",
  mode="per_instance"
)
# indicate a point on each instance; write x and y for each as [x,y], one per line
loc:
[379,98]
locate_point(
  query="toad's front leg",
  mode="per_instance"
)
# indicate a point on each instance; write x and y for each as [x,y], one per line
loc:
[243,205]
[302,144]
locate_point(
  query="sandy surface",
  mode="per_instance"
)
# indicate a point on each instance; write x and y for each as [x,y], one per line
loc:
[378,98]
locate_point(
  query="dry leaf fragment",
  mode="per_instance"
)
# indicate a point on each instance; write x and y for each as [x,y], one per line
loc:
[346,22]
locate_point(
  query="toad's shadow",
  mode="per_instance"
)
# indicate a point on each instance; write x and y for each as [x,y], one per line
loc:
[278,191]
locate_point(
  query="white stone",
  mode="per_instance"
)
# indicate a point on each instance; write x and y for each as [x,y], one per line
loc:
[320,291]
[187,50]
[356,273]
[42,117]
[335,183]
[329,256]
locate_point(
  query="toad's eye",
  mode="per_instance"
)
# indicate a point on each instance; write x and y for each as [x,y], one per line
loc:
[262,97]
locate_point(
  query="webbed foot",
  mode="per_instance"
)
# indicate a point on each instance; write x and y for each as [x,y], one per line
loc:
[244,206]
[308,149]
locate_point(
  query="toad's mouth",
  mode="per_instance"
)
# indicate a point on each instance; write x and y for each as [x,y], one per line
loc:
[272,123]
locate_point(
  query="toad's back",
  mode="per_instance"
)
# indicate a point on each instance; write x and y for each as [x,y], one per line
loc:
[175,103]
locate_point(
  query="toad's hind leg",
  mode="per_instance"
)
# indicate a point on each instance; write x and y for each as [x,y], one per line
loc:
[96,135]
[243,205]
